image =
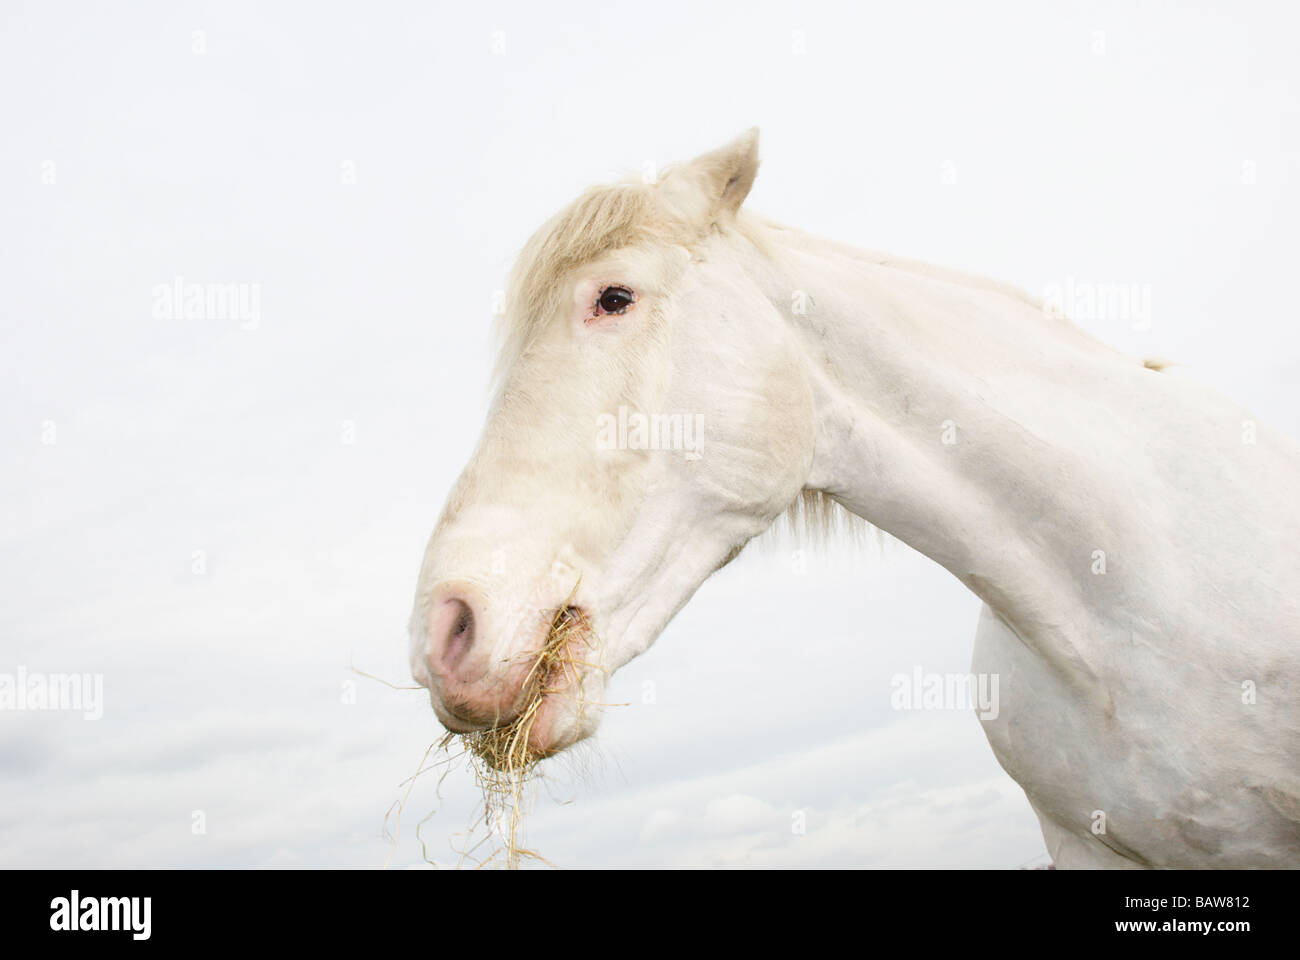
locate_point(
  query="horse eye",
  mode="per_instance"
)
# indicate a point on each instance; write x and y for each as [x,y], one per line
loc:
[615,299]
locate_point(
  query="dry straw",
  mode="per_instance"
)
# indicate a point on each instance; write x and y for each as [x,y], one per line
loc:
[503,758]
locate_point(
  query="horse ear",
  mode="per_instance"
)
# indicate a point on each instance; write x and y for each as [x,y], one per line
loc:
[726,174]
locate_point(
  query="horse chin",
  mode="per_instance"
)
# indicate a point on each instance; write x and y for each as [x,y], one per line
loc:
[548,734]
[567,712]
[562,720]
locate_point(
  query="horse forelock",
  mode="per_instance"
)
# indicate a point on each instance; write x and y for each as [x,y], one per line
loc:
[602,219]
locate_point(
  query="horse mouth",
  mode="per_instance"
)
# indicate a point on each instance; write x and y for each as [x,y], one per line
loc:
[550,674]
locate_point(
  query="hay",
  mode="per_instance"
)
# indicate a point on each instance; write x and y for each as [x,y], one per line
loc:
[502,758]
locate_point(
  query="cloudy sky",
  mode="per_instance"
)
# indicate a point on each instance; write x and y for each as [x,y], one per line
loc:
[218,514]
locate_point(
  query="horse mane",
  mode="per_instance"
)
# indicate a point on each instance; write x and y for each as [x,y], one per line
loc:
[814,518]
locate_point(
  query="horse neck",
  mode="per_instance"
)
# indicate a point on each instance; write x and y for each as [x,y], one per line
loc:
[958,417]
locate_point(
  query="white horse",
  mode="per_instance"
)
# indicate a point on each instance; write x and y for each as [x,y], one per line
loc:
[1133,535]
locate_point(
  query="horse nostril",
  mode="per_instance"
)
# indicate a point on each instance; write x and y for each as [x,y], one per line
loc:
[452,634]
